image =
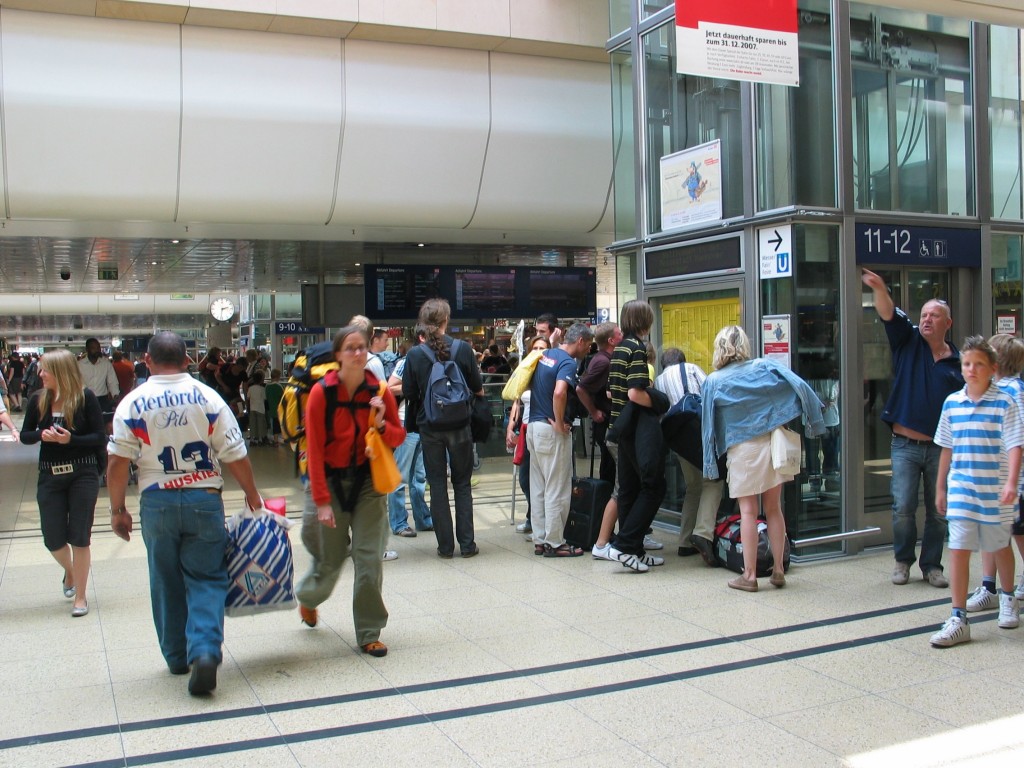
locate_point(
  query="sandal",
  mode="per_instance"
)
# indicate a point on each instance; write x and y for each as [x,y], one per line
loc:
[565,550]
[376,648]
[538,549]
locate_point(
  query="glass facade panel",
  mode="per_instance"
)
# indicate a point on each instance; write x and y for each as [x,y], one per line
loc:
[1005,108]
[288,306]
[619,16]
[795,127]
[685,111]
[911,103]
[624,144]
[812,503]
[651,7]
[1006,283]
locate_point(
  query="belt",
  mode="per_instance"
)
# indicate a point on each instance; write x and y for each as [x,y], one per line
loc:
[66,467]
[912,440]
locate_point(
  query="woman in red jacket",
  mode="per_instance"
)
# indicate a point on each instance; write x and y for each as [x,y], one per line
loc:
[342,507]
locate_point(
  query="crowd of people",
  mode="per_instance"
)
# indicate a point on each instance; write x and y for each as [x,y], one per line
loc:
[957,420]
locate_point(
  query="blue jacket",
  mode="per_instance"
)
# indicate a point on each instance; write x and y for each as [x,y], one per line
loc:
[746,400]
[920,384]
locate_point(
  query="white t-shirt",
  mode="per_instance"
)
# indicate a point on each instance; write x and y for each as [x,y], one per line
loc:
[177,430]
[399,370]
[257,398]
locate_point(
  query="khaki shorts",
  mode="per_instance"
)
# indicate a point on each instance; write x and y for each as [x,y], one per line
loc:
[750,468]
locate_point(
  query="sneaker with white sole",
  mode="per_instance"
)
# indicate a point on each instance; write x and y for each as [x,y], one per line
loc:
[1019,591]
[982,600]
[603,553]
[651,559]
[524,527]
[650,543]
[1009,612]
[628,561]
[900,573]
[953,632]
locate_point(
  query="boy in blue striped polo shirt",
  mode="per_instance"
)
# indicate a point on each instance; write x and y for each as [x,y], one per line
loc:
[981,434]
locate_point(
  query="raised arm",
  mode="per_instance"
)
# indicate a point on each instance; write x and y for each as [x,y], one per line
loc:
[884,305]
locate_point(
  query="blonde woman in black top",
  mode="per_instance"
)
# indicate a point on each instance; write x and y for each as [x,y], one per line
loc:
[65,419]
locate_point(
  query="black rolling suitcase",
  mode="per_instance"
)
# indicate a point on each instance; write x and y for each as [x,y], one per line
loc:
[586,506]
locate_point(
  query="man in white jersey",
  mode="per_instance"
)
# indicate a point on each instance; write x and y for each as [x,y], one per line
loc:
[179,432]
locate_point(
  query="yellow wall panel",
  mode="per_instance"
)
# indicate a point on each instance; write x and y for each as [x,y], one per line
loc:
[692,325]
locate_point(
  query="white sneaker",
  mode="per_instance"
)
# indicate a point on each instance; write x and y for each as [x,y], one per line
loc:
[1009,612]
[390,554]
[524,527]
[603,553]
[628,561]
[651,559]
[650,543]
[982,600]
[1019,592]
[953,632]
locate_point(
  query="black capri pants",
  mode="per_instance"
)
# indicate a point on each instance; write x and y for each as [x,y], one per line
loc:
[67,505]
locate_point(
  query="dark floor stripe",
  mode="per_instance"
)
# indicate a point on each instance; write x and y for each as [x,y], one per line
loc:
[506,706]
[228,714]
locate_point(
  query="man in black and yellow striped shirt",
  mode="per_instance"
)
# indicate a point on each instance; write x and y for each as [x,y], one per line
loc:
[640,462]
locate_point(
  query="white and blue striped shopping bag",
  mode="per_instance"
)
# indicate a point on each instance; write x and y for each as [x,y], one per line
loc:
[260,568]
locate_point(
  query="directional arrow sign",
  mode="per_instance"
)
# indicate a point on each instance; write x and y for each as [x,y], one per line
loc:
[775,251]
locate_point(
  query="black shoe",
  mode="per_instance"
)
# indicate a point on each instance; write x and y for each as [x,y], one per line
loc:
[182,670]
[472,550]
[688,551]
[445,555]
[707,552]
[204,675]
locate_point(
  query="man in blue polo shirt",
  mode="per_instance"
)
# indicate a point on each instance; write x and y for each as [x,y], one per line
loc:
[926,370]
[550,443]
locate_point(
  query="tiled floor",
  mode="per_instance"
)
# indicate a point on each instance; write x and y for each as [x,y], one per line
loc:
[504,659]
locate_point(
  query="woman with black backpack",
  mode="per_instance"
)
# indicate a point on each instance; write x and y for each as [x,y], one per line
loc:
[441,376]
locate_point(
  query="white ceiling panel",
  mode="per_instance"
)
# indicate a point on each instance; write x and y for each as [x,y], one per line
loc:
[548,158]
[90,116]
[261,119]
[416,121]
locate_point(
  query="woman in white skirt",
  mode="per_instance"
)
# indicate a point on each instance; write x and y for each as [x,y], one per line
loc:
[743,401]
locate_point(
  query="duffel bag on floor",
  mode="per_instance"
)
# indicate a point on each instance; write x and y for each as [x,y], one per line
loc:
[729,548]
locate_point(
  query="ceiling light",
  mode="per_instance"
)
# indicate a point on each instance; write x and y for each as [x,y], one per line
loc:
[358,264]
[153,263]
[419,245]
[175,242]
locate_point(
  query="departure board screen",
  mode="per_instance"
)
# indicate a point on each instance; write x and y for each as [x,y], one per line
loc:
[487,292]
[396,292]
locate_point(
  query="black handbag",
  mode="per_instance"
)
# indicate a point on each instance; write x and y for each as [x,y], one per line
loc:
[481,420]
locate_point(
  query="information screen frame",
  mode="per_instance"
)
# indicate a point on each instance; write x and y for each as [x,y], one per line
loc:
[396,292]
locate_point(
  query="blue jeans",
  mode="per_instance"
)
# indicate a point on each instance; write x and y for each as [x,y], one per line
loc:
[439,450]
[409,458]
[912,463]
[188,579]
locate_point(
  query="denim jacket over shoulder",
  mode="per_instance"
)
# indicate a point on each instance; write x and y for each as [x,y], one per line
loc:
[746,400]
